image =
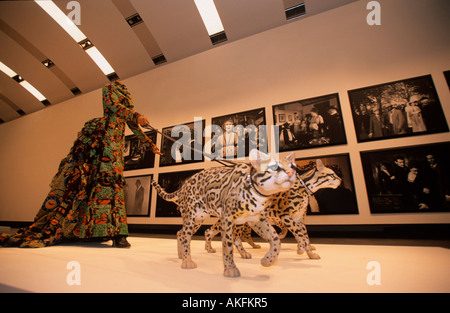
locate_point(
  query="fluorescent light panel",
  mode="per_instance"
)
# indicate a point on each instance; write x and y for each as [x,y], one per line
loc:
[62,19]
[66,23]
[100,60]
[210,16]
[5,69]
[32,90]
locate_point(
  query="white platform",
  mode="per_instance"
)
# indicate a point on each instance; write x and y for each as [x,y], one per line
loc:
[151,265]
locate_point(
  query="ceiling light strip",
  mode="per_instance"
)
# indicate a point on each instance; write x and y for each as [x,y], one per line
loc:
[5,69]
[67,24]
[34,51]
[211,20]
[210,16]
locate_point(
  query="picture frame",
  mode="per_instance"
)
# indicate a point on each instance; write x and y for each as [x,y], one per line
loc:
[402,108]
[187,144]
[341,200]
[236,134]
[137,195]
[412,179]
[134,154]
[447,78]
[309,123]
[171,182]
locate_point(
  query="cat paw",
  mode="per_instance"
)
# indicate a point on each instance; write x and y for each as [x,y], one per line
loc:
[210,249]
[246,255]
[188,264]
[267,261]
[313,256]
[231,272]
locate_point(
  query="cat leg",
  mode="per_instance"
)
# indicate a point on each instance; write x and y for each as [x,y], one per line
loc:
[300,233]
[283,233]
[210,233]
[230,269]
[184,239]
[265,230]
[238,244]
[247,236]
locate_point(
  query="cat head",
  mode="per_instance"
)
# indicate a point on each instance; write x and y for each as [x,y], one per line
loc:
[270,175]
[321,177]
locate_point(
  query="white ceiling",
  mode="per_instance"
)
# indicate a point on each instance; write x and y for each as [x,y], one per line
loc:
[172,27]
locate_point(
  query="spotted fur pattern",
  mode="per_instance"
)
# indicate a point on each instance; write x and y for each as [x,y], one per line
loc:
[287,210]
[236,195]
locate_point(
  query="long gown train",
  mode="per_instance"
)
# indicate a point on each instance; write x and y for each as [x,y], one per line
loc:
[86,198]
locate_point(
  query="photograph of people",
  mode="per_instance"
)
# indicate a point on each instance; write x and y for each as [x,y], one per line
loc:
[309,123]
[403,108]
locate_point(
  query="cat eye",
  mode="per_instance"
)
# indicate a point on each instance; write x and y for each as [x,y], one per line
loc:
[274,168]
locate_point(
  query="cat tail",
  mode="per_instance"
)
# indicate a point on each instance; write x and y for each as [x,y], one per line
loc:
[172,197]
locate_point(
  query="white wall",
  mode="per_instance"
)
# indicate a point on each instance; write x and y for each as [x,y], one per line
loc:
[327,53]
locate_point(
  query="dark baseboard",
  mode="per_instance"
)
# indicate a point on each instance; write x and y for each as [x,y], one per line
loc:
[394,231]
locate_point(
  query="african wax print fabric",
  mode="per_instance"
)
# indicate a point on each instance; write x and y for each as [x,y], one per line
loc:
[86,198]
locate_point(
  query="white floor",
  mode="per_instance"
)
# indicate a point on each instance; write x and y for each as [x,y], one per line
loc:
[151,265]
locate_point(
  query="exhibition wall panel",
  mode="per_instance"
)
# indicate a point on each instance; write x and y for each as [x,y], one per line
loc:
[326,54]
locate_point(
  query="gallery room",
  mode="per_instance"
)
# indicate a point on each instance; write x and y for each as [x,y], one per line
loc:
[291,146]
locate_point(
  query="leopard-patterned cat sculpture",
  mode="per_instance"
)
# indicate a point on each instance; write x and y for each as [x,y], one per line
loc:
[287,210]
[236,195]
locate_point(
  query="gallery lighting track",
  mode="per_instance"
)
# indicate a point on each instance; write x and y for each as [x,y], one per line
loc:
[212,21]
[67,24]
[5,69]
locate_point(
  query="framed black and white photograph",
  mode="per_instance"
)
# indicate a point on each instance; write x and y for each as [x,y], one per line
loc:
[235,135]
[137,192]
[135,155]
[186,145]
[171,182]
[409,179]
[309,123]
[447,78]
[331,199]
[397,109]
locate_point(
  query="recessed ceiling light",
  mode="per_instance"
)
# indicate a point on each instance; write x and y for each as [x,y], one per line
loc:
[295,11]
[134,20]
[48,63]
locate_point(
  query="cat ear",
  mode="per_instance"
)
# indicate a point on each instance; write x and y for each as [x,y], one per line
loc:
[257,158]
[319,165]
[291,157]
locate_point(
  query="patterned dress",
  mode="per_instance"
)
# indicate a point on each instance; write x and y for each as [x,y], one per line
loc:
[86,198]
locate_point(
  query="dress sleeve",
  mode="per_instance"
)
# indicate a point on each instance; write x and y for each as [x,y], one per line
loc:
[148,143]
[119,105]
